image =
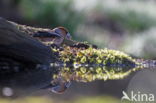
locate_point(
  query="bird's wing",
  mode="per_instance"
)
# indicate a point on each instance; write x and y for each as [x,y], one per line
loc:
[46,34]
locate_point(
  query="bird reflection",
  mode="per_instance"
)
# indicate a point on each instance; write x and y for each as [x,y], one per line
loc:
[58,85]
[61,87]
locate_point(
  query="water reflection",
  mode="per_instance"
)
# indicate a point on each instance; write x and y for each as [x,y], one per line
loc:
[25,81]
[89,74]
[143,82]
[28,81]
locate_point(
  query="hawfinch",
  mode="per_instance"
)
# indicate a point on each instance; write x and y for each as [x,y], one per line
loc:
[56,35]
[58,86]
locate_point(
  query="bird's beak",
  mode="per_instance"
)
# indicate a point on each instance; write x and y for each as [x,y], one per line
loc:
[68,36]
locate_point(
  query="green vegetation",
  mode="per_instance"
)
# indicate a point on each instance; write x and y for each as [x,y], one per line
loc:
[93,56]
[89,74]
[86,65]
[96,99]
[52,13]
[131,20]
[132,16]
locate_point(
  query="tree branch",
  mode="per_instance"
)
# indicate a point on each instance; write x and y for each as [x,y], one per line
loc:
[19,45]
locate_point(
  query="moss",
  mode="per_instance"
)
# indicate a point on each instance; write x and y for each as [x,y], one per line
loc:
[88,74]
[92,56]
[89,64]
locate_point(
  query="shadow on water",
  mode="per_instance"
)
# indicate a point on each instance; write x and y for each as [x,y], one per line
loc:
[25,82]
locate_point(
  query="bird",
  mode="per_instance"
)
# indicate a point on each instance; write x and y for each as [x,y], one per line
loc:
[56,35]
[58,86]
[61,87]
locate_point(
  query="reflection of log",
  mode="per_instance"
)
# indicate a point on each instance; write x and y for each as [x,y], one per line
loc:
[20,46]
[24,83]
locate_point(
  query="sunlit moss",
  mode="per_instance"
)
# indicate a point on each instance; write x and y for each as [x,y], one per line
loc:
[89,64]
[93,56]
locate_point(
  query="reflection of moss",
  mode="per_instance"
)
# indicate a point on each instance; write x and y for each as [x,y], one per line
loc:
[89,64]
[88,74]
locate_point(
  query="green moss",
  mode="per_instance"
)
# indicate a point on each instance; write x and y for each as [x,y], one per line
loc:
[91,64]
[91,56]
[88,74]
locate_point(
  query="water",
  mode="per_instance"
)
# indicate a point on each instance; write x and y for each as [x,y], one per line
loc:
[58,79]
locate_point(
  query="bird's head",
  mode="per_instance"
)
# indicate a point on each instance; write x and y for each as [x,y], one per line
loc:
[63,32]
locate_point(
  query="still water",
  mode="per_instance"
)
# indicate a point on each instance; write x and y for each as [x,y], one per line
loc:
[67,80]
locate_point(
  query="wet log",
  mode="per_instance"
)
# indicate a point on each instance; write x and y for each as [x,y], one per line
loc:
[19,45]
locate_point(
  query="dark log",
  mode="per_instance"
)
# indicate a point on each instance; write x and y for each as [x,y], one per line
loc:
[21,46]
